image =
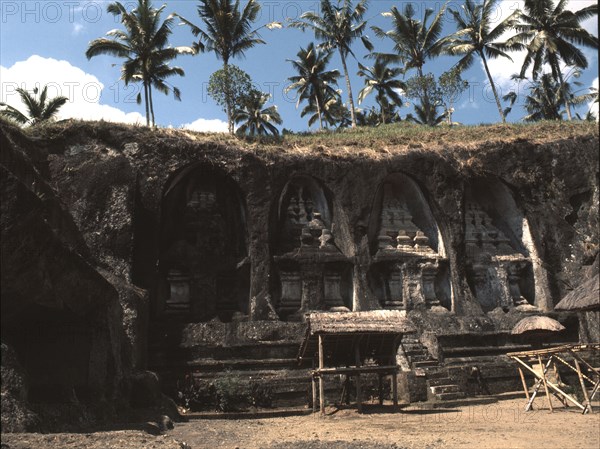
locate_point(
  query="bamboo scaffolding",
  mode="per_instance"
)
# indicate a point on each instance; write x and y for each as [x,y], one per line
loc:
[525,359]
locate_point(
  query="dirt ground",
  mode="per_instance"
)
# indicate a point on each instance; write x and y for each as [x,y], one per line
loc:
[501,425]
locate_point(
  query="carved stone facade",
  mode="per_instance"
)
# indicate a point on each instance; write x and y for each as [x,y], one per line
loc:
[203,256]
[495,268]
[312,269]
[406,267]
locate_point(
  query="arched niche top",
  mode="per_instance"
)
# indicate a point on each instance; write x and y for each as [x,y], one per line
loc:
[197,192]
[498,211]
[400,204]
[303,200]
[203,269]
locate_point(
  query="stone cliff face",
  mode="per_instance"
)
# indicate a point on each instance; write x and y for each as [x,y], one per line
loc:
[164,226]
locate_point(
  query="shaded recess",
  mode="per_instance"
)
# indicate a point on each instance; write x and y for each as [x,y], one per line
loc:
[203,267]
[498,247]
[310,271]
[409,268]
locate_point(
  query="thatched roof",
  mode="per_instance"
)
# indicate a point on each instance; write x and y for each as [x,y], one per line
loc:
[537,325]
[375,321]
[585,297]
[376,333]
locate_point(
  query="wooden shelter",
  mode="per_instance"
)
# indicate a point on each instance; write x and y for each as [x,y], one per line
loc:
[583,298]
[546,375]
[352,344]
[537,325]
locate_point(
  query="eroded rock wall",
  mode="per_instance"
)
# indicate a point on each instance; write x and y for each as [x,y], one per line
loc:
[112,183]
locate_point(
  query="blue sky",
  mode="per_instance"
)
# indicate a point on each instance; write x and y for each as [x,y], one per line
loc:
[45,41]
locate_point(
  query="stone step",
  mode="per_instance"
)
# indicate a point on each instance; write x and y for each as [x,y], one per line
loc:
[443,389]
[435,372]
[425,363]
[419,358]
[450,396]
[434,382]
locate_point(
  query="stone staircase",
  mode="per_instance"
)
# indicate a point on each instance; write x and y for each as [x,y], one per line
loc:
[440,386]
[271,364]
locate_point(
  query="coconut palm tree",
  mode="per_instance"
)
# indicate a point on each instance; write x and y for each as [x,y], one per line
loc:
[415,41]
[383,80]
[476,36]
[427,115]
[38,109]
[255,119]
[545,100]
[227,32]
[144,45]
[338,26]
[550,33]
[314,82]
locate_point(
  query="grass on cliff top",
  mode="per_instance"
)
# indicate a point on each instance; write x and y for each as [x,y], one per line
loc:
[382,139]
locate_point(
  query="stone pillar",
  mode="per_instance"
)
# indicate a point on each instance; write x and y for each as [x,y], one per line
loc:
[393,290]
[312,287]
[411,291]
[179,298]
[291,293]
[513,284]
[428,274]
[332,296]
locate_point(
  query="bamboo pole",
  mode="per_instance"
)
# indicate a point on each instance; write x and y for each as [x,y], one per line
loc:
[314,394]
[551,385]
[588,404]
[358,385]
[321,386]
[523,382]
[536,387]
[545,383]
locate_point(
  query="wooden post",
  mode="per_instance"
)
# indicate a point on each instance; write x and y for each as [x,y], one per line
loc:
[395,387]
[393,361]
[321,386]
[545,384]
[523,382]
[358,385]
[380,385]
[588,404]
[314,393]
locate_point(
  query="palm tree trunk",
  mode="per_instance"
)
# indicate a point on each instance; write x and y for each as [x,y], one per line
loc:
[146,101]
[489,75]
[151,104]
[319,114]
[426,102]
[381,107]
[563,93]
[350,98]
[229,100]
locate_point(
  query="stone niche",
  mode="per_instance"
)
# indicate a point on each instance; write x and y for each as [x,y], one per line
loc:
[499,266]
[311,271]
[204,271]
[409,266]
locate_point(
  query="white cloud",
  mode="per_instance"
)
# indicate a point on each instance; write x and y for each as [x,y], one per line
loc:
[502,69]
[207,125]
[62,78]
[77,28]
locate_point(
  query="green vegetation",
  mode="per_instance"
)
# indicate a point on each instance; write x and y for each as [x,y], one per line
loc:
[337,27]
[227,33]
[144,46]
[549,32]
[475,36]
[39,109]
[314,83]
[254,119]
